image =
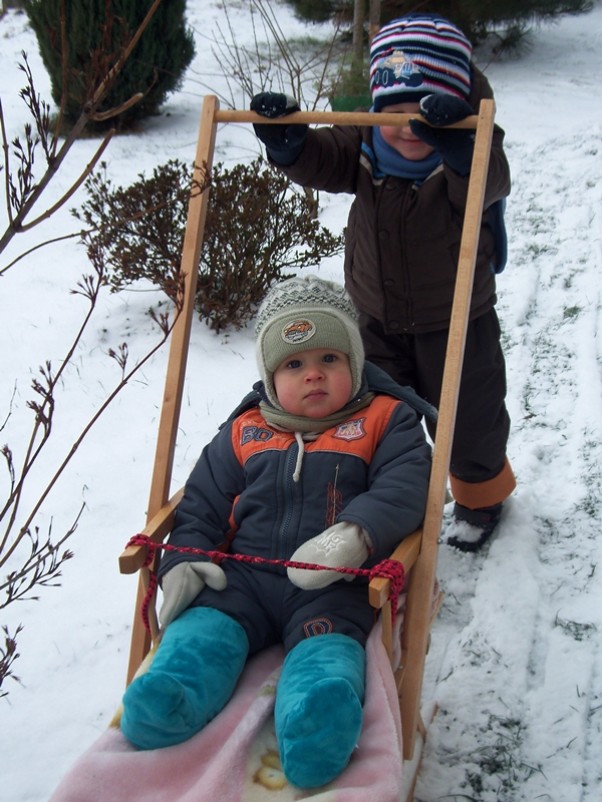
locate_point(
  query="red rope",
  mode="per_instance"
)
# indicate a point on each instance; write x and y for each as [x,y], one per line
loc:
[387,569]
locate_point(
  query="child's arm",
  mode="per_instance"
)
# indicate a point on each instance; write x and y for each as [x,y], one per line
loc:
[393,505]
[498,175]
[203,514]
[373,523]
[455,146]
[323,158]
[283,143]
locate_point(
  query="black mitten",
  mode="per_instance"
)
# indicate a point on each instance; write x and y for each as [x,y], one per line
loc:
[455,145]
[283,143]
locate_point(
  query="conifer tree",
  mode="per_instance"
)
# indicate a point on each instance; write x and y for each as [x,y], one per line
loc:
[97,31]
[475,17]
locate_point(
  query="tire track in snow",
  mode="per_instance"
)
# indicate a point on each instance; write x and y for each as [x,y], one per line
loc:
[561,397]
[518,681]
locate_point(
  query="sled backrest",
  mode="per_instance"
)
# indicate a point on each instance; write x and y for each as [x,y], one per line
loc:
[418,553]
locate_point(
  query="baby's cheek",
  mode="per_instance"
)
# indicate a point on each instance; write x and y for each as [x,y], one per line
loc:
[388,134]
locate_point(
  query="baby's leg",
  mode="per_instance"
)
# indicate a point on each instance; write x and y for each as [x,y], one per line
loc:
[318,711]
[191,678]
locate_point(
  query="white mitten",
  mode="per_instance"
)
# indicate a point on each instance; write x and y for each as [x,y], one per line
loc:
[343,544]
[183,583]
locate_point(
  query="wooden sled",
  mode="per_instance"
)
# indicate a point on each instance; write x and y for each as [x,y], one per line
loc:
[418,552]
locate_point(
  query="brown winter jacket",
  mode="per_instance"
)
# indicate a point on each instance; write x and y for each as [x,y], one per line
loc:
[402,241]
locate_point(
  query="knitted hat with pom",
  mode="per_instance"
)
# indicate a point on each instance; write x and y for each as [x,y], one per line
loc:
[304,313]
[415,56]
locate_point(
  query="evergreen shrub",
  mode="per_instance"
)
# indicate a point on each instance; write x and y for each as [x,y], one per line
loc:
[478,19]
[96,32]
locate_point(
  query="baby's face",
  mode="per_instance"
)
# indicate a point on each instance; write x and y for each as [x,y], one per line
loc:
[401,138]
[313,383]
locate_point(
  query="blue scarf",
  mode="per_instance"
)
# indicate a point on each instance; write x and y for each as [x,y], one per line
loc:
[387,161]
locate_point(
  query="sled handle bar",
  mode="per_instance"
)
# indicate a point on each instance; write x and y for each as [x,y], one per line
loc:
[370,118]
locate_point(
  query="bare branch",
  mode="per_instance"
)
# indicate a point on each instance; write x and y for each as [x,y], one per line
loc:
[37,247]
[116,110]
[8,655]
[42,566]
[31,192]
[74,187]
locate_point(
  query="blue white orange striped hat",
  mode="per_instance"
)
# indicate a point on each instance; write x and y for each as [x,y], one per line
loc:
[417,55]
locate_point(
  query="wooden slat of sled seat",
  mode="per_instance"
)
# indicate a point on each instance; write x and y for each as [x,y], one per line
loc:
[132,559]
[406,553]
[160,525]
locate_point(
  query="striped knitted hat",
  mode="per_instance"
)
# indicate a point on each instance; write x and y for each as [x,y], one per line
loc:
[304,313]
[417,55]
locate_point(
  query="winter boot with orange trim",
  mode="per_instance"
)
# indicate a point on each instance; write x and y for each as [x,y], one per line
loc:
[471,529]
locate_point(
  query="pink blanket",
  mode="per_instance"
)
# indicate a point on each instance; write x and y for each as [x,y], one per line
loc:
[235,759]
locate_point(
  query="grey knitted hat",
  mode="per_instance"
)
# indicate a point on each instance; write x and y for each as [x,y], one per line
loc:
[304,313]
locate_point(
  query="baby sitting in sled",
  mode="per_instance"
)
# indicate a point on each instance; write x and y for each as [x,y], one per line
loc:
[326,463]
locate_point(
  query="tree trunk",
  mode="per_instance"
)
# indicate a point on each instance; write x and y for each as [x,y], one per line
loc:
[358,31]
[374,19]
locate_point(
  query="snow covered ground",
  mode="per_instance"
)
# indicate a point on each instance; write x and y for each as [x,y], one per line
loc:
[515,667]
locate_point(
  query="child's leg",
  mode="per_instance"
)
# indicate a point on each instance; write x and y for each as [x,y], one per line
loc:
[193,674]
[318,710]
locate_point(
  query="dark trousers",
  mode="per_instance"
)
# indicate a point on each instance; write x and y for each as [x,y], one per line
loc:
[482,422]
[273,610]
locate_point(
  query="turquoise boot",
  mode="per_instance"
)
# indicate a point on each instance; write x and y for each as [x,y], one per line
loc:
[193,674]
[318,711]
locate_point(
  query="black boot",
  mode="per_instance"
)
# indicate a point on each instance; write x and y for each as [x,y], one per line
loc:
[471,529]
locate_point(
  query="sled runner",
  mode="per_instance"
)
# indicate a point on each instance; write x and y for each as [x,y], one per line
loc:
[237,747]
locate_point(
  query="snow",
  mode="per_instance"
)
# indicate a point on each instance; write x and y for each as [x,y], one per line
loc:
[515,667]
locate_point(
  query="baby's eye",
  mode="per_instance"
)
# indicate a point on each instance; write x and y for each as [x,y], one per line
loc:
[294,363]
[329,358]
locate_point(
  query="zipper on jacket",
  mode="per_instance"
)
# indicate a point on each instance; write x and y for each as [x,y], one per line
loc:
[403,275]
[286,544]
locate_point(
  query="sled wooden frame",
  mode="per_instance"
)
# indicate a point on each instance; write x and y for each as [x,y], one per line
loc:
[418,552]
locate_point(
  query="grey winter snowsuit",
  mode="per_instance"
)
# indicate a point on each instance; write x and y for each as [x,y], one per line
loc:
[371,470]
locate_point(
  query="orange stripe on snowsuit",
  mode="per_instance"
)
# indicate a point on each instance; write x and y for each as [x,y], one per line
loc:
[359,435]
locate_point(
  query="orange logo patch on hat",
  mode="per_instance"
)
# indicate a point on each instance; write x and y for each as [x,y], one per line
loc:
[298,331]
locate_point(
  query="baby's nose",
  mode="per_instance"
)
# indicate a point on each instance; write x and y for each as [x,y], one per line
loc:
[313,374]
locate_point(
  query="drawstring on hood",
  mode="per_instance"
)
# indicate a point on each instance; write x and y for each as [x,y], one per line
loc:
[307,429]
[300,442]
